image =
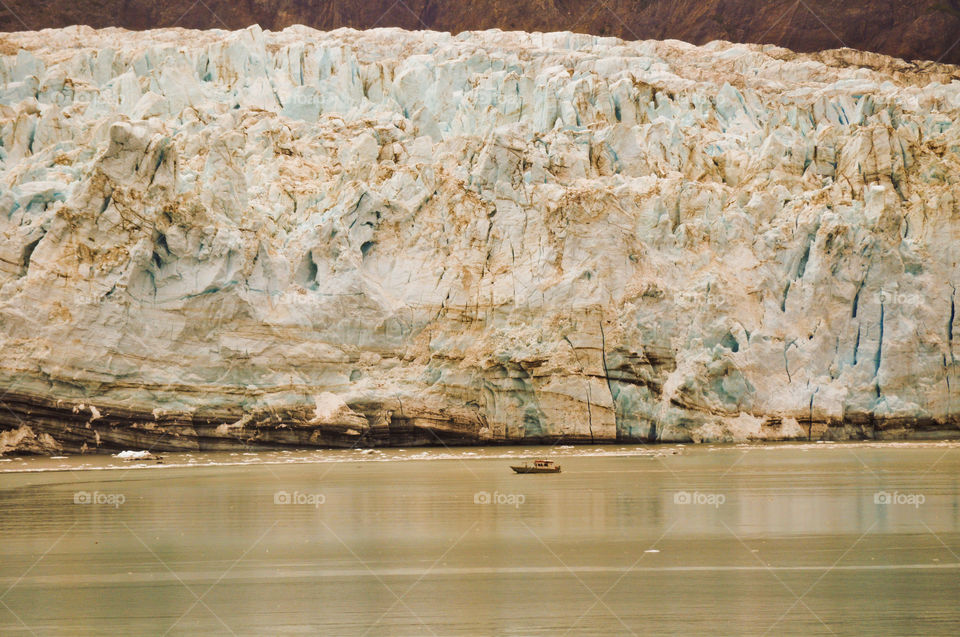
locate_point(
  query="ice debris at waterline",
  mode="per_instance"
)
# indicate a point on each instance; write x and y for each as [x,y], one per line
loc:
[135,455]
[218,239]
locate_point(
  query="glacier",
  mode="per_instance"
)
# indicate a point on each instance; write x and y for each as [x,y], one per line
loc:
[214,240]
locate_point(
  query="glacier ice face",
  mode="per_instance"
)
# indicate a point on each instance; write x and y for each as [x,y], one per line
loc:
[388,237]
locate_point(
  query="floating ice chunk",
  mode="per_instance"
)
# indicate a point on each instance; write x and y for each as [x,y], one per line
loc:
[134,455]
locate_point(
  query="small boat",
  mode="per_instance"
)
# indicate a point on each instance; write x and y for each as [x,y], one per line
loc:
[538,466]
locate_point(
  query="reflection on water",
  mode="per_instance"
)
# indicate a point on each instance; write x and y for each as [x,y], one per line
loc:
[802,539]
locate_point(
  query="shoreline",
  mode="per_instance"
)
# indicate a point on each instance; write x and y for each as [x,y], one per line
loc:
[180,460]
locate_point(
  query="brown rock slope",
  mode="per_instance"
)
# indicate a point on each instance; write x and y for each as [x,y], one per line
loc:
[911,29]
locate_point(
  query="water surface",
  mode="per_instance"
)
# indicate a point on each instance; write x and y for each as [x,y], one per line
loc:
[783,539]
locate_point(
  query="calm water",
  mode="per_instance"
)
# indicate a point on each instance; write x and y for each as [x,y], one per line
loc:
[801,540]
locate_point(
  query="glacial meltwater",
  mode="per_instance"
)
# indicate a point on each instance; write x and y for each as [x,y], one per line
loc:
[845,539]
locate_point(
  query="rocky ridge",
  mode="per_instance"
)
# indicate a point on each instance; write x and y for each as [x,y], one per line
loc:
[909,29]
[224,239]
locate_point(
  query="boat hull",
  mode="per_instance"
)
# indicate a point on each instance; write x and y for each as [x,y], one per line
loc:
[535,470]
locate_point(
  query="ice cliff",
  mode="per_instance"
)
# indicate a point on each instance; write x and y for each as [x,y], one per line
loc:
[213,239]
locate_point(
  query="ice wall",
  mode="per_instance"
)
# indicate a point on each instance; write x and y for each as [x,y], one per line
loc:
[210,239]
